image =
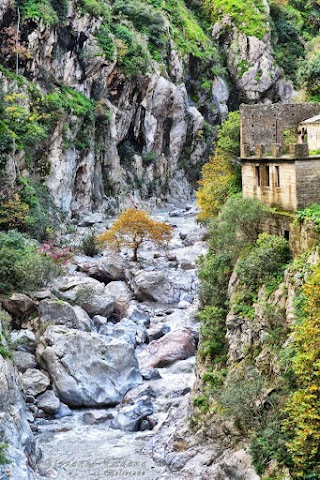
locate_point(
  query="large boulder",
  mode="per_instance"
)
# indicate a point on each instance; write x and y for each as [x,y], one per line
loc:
[58,312]
[105,269]
[86,293]
[152,285]
[24,339]
[34,381]
[19,305]
[24,360]
[175,345]
[130,417]
[164,286]
[48,402]
[87,369]
[120,291]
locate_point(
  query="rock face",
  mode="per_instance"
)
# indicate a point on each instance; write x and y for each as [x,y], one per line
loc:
[154,125]
[86,369]
[14,428]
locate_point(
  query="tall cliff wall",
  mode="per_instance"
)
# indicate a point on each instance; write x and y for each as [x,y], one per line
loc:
[112,115]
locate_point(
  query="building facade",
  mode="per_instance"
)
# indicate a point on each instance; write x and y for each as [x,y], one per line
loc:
[276,165]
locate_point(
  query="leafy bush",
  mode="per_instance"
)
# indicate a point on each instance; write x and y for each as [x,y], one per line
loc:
[310,213]
[95,7]
[266,259]
[22,267]
[43,214]
[213,331]
[242,397]
[250,17]
[3,458]
[145,20]
[133,55]
[89,244]
[235,227]
[38,9]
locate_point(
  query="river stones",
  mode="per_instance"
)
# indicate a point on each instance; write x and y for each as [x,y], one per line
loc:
[86,293]
[105,269]
[87,369]
[130,417]
[120,291]
[58,312]
[152,285]
[48,402]
[176,345]
[19,304]
[34,381]
[24,360]
[14,428]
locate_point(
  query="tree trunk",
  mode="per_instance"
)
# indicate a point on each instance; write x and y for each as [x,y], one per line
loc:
[135,254]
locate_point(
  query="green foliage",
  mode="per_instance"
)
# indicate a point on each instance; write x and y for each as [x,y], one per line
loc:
[43,215]
[106,41]
[221,175]
[146,20]
[133,55]
[40,10]
[266,260]
[202,403]
[286,36]
[187,32]
[213,331]
[249,17]
[28,117]
[3,458]
[309,70]
[269,443]
[89,244]
[95,7]
[234,228]
[242,397]
[302,424]
[22,267]
[311,213]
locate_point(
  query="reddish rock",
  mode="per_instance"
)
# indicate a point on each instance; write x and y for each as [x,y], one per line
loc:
[176,345]
[19,304]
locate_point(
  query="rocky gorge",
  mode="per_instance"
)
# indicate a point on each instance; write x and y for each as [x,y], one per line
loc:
[125,347]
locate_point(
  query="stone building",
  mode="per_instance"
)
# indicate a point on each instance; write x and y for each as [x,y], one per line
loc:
[276,165]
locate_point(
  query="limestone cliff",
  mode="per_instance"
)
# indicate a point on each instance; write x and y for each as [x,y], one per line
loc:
[113,116]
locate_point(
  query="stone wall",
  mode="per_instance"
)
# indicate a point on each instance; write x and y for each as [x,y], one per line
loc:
[302,236]
[283,196]
[264,124]
[307,181]
[299,181]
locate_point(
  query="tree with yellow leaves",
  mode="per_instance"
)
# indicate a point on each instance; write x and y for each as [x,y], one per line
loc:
[133,228]
[303,408]
[220,176]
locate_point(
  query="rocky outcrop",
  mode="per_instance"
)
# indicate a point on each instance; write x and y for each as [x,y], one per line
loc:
[14,428]
[87,369]
[252,65]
